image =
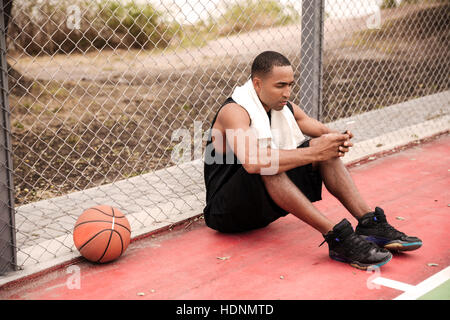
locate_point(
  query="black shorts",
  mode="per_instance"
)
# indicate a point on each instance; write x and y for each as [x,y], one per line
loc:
[243,203]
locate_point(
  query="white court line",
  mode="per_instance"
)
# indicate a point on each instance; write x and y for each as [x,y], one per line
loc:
[413,292]
[427,285]
[393,284]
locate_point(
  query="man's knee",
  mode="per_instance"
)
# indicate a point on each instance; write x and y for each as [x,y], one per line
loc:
[278,185]
[274,179]
[330,162]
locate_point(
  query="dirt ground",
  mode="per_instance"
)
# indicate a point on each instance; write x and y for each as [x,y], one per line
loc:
[97,118]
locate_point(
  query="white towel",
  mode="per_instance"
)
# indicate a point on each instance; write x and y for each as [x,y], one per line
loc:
[282,131]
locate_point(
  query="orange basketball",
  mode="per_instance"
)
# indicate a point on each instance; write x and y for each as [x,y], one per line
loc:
[102,233]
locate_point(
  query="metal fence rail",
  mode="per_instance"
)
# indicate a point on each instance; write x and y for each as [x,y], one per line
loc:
[106,95]
[7,235]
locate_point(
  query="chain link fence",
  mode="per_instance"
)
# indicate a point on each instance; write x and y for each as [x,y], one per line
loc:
[103,97]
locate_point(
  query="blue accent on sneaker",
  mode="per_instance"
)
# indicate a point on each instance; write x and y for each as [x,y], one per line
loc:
[411,244]
[384,262]
[362,266]
[379,241]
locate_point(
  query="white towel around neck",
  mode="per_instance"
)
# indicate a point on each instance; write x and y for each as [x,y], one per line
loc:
[282,131]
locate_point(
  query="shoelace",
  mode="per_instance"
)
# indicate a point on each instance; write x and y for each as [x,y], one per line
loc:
[385,226]
[360,245]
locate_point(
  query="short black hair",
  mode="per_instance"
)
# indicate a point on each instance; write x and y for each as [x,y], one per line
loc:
[266,60]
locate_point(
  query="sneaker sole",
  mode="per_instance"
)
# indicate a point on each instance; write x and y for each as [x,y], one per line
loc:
[395,245]
[359,265]
[403,246]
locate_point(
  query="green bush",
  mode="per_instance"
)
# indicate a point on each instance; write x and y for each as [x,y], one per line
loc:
[40,26]
[142,23]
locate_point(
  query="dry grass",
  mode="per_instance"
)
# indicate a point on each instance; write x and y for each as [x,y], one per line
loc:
[72,134]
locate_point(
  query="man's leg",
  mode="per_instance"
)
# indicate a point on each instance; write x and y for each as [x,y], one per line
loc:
[286,195]
[340,184]
[374,225]
[344,245]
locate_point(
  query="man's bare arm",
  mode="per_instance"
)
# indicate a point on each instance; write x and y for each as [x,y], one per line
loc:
[308,125]
[234,120]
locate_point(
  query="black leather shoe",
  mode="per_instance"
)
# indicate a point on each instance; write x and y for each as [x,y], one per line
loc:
[346,246]
[374,227]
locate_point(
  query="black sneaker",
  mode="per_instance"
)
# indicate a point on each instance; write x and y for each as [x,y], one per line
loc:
[346,246]
[374,227]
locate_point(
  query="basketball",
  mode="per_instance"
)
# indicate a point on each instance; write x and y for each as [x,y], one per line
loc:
[102,234]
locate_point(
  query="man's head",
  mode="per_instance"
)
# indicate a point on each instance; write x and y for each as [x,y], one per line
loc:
[272,77]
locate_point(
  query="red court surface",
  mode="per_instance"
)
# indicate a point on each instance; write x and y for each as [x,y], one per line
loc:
[283,260]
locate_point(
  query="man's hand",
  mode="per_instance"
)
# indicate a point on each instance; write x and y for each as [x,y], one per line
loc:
[349,133]
[331,145]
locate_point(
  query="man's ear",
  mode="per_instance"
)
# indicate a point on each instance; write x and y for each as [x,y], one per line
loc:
[257,84]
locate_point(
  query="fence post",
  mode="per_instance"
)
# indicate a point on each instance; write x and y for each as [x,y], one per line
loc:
[8,259]
[311,57]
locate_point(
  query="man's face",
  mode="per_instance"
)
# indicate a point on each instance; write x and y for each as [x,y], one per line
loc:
[274,88]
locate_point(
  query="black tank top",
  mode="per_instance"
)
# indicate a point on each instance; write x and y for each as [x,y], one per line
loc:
[217,173]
